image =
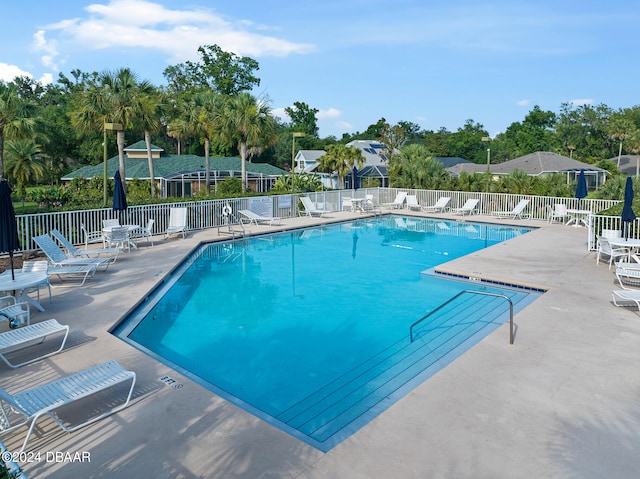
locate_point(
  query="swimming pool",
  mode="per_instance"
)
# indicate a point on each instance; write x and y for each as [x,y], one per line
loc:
[309,329]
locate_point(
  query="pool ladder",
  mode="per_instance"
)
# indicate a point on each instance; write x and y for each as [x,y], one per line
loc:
[469,291]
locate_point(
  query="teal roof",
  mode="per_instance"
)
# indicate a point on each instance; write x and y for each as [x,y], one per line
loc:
[142,146]
[171,166]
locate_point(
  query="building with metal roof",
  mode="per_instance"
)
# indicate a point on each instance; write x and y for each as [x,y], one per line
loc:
[182,175]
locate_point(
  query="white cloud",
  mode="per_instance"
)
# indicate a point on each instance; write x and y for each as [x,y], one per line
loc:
[343,126]
[9,72]
[581,101]
[328,114]
[280,113]
[523,102]
[176,33]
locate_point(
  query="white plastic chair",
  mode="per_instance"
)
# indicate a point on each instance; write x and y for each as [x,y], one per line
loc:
[17,313]
[37,267]
[146,231]
[177,222]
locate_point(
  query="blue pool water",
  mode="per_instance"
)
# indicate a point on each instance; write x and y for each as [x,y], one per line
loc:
[309,329]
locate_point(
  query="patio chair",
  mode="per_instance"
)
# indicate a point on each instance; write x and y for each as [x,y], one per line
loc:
[110,223]
[605,249]
[16,312]
[468,208]
[516,212]
[558,212]
[91,238]
[398,202]
[439,206]
[112,253]
[252,217]
[177,222]
[310,208]
[145,231]
[37,267]
[118,237]
[18,340]
[26,407]
[412,203]
[347,203]
[57,257]
[368,204]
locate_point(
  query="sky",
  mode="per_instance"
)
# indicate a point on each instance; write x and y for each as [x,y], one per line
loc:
[436,63]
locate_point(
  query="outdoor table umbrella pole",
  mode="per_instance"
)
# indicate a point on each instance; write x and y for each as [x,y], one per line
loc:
[8,227]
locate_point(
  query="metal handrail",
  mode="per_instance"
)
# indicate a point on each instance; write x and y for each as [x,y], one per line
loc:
[472,292]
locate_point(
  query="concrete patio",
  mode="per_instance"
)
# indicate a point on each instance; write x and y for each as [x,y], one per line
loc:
[561,402]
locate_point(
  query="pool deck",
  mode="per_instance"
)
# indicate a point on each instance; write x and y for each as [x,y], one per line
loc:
[561,402]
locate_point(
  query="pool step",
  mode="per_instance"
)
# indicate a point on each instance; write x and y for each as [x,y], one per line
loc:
[331,408]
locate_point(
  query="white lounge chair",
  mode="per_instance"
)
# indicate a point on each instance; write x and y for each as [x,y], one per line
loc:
[57,257]
[516,212]
[310,209]
[112,253]
[398,202]
[627,276]
[468,208]
[177,222]
[559,212]
[604,248]
[71,275]
[412,203]
[439,206]
[14,311]
[252,217]
[46,399]
[626,297]
[32,335]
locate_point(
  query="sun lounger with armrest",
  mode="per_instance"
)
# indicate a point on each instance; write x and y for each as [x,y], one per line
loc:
[439,206]
[57,257]
[252,217]
[20,339]
[31,404]
[111,253]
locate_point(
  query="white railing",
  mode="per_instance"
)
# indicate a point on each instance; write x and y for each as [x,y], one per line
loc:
[208,213]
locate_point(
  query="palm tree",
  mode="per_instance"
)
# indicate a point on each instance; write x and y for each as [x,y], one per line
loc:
[200,117]
[620,128]
[341,159]
[115,98]
[15,117]
[247,122]
[23,164]
[151,108]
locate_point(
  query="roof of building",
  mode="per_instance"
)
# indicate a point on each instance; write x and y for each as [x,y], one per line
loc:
[172,166]
[542,162]
[629,164]
[142,146]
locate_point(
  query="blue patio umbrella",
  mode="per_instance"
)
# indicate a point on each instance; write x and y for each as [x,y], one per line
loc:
[627,210]
[581,188]
[354,173]
[8,227]
[119,197]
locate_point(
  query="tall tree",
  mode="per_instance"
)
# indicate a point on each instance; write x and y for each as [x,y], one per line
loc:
[303,118]
[149,114]
[223,72]
[341,159]
[201,116]
[619,128]
[246,121]
[16,117]
[116,98]
[23,164]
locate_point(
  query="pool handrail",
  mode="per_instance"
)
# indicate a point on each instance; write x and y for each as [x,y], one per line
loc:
[460,294]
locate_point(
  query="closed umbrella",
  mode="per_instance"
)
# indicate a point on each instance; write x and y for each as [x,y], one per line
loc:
[581,188]
[354,172]
[627,210]
[8,227]
[119,197]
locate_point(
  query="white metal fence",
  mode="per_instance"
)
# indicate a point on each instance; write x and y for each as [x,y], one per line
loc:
[208,213]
